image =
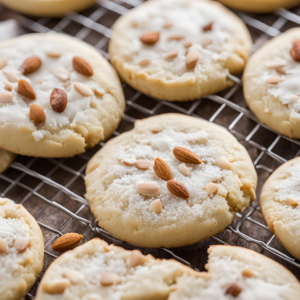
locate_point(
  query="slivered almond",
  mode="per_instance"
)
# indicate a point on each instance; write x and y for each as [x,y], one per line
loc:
[156,206]
[6,97]
[11,77]
[110,278]
[8,86]
[57,287]
[3,246]
[176,37]
[25,89]
[211,188]
[274,80]
[172,54]
[83,89]
[61,73]
[168,25]
[248,273]
[21,244]
[148,189]
[187,44]
[99,92]
[178,189]
[3,63]
[295,51]
[36,113]
[208,27]
[58,100]
[274,64]
[292,201]
[184,170]
[54,54]
[144,62]
[143,164]
[82,66]
[67,242]
[186,155]
[162,169]
[30,65]
[191,59]
[150,38]
[136,259]
[223,163]
[128,164]
[233,290]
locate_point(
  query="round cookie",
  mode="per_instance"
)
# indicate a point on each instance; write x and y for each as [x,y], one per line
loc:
[260,6]
[58,96]
[47,8]
[179,50]
[123,189]
[6,158]
[271,84]
[279,201]
[21,250]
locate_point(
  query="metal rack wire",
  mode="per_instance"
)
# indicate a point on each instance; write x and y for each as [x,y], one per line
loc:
[53,182]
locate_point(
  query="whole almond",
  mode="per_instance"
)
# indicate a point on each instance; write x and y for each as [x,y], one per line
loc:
[295,51]
[31,64]
[36,113]
[186,155]
[192,59]
[82,66]
[234,290]
[67,242]
[162,170]
[25,89]
[178,189]
[58,100]
[208,27]
[150,38]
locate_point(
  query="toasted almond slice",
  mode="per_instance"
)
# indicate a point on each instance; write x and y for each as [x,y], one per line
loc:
[274,64]
[292,201]
[31,64]
[144,62]
[162,169]
[143,164]
[172,54]
[11,77]
[67,242]
[6,97]
[211,188]
[248,273]
[54,54]
[3,63]
[36,114]
[58,100]
[156,206]
[233,290]
[223,163]
[73,276]
[176,37]
[192,59]
[136,258]
[150,38]
[82,66]
[184,170]
[83,89]
[208,27]
[3,246]
[148,189]
[187,44]
[57,287]
[186,155]
[21,243]
[25,89]
[274,80]
[168,25]
[110,278]
[178,189]
[61,73]
[8,86]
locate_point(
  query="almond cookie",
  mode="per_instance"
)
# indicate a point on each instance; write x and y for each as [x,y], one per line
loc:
[179,50]
[6,158]
[21,250]
[260,6]
[96,271]
[271,86]
[58,96]
[47,8]
[280,204]
[172,181]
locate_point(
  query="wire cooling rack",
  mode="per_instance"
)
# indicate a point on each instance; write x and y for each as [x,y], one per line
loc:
[52,189]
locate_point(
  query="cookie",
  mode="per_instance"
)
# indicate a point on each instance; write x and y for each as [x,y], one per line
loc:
[47,8]
[21,250]
[271,83]
[96,271]
[6,158]
[172,181]
[279,200]
[260,6]
[179,50]
[58,96]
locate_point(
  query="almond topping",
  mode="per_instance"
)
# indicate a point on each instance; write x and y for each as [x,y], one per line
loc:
[25,89]
[82,66]
[187,44]
[99,92]
[21,243]
[3,246]
[83,89]
[208,27]
[8,86]
[57,287]
[128,164]
[3,63]
[234,290]
[67,242]
[31,64]
[281,70]
[206,42]
[156,206]
[61,73]
[136,259]
[150,38]
[184,170]
[176,37]
[168,25]
[162,170]
[73,276]
[109,278]
[36,113]
[6,97]
[143,164]
[148,189]
[144,62]
[211,188]
[58,100]
[178,189]
[54,54]
[274,64]
[186,155]
[172,54]
[292,201]
[223,163]
[295,51]
[274,80]
[11,77]
[248,273]
[192,59]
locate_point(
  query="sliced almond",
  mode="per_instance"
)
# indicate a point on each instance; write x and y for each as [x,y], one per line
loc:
[8,86]
[110,278]
[150,38]
[144,62]
[11,77]
[184,170]
[248,273]
[274,64]
[187,44]
[208,27]
[233,290]
[36,114]
[83,89]
[186,155]
[136,259]
[292,201]
[61,73]
[25,89]
[172,54]
[67,242]
[148,189]
[295,51]
[156,206]
[21,243]
[143,164]
[176,37]
[274,80]
[162,169]
[57,287]
[178,189]
[168,25]
[192,59]
[73,276]
[82,66]
[6,97]
[58,100]
[31,64]
[3,246]
[3,63]
[211,188]
[54,54]
[223,163]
